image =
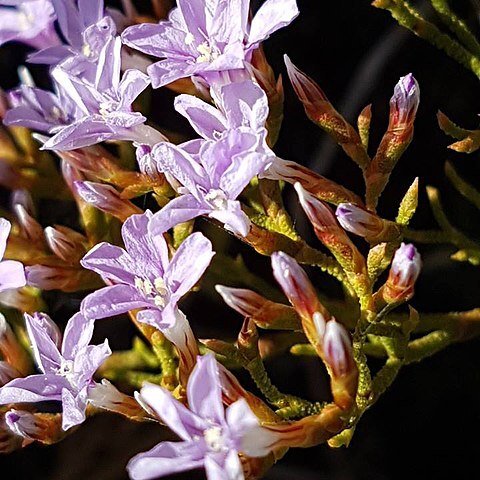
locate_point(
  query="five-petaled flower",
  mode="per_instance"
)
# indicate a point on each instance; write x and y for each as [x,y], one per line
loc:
[212,436]
[67,367]
[207,39]
[141,276]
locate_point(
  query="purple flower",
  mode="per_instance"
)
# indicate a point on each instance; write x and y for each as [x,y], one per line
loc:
[30,22]
[212,437]
[12,274]
[93,112]
[84,27]
[67,369]
[142,275]
[212,179]
[240,104]
[204,38]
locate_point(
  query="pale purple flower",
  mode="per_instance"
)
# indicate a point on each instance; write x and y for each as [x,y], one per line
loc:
[141,276]
[12,274]
[207,39]
[67,367]
[212,179]
[212,437]
[93,112]
[240,104]
[85,28]
[29,22]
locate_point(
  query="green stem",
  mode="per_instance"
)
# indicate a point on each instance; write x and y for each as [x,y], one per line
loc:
[457,26]
[411,19]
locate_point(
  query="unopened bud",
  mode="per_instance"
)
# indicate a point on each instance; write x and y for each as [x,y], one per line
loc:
[361,222]
[322,112]
[31,229]
[146,164]
[337,347]
[334,238]
[105,396]
[403,108]
[106,198]
[265,313]
[64,278]
[8,440]
[66,243]
[323,188]
[406,266]
[41,427]
[295,284]
[26,299]
[404,104]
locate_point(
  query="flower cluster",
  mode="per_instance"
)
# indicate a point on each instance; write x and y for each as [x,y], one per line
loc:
[130,260]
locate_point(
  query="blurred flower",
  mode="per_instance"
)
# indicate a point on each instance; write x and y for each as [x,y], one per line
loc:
[12,274]
[30,22]
[212,437]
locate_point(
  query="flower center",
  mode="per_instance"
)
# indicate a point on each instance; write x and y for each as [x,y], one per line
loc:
[207,53]
[66,369]
[156,291]
[214,439]
[217,199]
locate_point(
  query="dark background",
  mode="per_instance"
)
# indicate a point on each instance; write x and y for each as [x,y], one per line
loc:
[426,425]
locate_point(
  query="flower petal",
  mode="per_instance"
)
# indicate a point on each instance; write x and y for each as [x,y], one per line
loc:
[12,275]
[177,416]
[251,438]
[165,459]
[5,227]
[178,210]
[233,218]
[77,335]
[45,349]
[206,120]
[182,274]
[204,392]
[110,262]
[150,256]
[112,300]
[73,409]
[271,16]
[34,388]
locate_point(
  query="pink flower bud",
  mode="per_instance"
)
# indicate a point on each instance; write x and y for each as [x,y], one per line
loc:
[106,198]
[41,427]
[22,424]
[104,395]
[244,301]
[361,222]
[31,229]
[65,278]
[337,347]
[66,244]
[406,266]
[295,284]
[404,103]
